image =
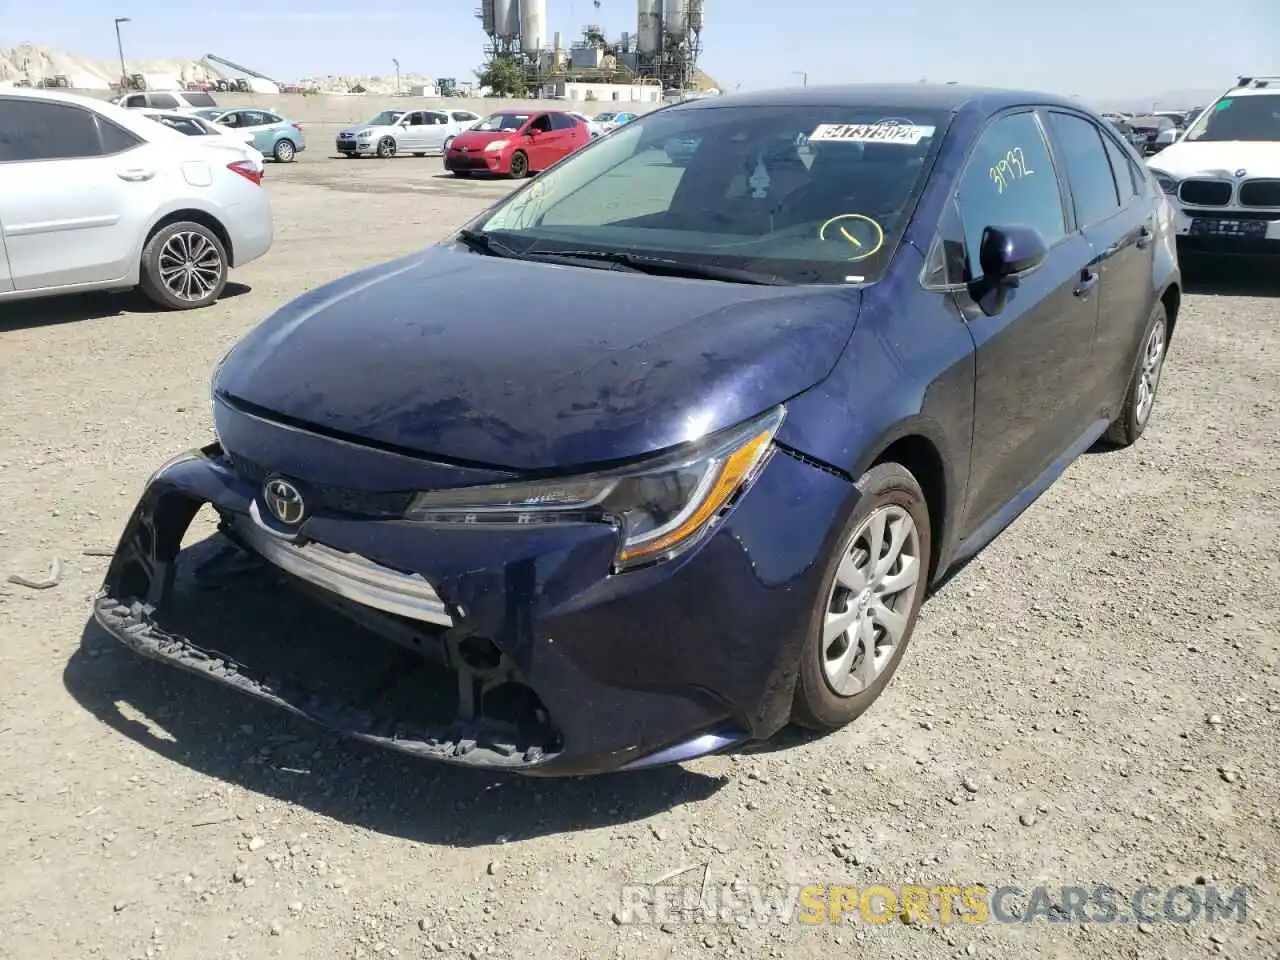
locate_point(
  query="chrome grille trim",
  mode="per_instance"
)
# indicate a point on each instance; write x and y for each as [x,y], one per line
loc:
[348,575]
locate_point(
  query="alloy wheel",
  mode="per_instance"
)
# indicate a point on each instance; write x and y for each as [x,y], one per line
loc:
[870,602]
[518,165]
[190,266]
[1149,374]
[284,151]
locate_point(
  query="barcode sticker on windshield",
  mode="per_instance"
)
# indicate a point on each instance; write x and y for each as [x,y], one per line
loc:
[905,133]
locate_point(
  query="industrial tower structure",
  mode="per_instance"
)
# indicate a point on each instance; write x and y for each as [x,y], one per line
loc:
[664,48]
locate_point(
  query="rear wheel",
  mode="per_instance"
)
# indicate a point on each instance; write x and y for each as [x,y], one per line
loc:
[1140,398]
[519,165]
[873,587]
[285,151]
[386,148]
[184,266]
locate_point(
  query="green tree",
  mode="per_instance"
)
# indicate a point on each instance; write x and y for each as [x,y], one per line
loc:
[504,77]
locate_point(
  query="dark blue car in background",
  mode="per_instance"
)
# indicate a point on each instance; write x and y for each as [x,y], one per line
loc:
[652,459]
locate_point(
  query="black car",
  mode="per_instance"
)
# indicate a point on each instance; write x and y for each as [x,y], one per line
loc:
[853,336]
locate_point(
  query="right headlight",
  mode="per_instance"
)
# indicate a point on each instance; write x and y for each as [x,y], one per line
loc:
[660,507]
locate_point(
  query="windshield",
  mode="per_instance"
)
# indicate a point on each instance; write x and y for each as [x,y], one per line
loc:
[1152,123]
[809,194]
[200,99]
[501,121]
[210,114]
[1254,117]
[386,118]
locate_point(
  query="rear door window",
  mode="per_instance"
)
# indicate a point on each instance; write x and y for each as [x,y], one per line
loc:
[164,101]
[1088,170]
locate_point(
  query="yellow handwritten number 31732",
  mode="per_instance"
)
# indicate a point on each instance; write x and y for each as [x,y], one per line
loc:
[1009,168]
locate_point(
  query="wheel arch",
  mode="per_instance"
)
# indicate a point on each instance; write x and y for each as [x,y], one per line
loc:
[918,447]
[1172,300]
[193,215]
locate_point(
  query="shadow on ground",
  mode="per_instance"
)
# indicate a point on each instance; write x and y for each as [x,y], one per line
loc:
[50,311]
[1230,278]
[233,737]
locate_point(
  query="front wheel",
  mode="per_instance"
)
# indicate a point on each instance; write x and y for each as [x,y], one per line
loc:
[519,166]
[184,266]
[386,148]
[1140,397]
[872,590]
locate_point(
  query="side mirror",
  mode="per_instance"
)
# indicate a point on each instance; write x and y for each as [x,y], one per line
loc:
[1006,252]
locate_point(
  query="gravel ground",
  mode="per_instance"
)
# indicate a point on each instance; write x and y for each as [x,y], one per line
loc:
[1093,701]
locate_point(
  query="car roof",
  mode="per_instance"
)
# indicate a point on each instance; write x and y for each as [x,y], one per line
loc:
[121,116]
[948,97]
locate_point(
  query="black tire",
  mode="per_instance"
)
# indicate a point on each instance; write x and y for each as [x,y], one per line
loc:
[817,705]
[152,280]
[285,151]
[386,148]
[1134,414]
[519,166]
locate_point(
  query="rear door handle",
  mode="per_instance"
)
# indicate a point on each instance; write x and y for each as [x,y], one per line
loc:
[1088,280]
[1144,238]
[135,175]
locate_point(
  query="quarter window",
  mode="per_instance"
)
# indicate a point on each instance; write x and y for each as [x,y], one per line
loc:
[45,130]
[1009,180]
[1093,185]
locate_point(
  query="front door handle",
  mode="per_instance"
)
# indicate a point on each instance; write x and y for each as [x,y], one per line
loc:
[1088,280]
[135,175]
[1144,238]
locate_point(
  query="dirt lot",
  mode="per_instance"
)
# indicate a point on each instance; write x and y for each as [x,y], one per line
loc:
[1094,701]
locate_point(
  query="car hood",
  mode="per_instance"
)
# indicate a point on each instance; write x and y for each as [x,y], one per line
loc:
[1188,158]
[459,356]
[357,127]
[478,140]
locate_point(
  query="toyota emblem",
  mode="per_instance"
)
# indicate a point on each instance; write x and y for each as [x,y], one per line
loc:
[284,501]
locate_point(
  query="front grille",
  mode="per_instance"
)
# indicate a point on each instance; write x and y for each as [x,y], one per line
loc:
[1260,193]
[1205,193]
[364,503]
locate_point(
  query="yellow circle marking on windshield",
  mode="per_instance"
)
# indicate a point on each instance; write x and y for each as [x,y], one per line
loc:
[847,227]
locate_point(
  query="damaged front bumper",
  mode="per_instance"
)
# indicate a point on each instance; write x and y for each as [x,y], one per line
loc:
[552,666]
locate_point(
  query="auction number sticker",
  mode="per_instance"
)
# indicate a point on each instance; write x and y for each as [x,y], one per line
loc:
[908,134]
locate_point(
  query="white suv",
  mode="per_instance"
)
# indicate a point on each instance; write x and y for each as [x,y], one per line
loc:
[96,197]
[1225,173]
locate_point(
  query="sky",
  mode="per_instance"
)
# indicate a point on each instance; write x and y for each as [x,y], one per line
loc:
[1091,48]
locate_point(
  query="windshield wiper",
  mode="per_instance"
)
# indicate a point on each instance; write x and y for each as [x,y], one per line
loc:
[659,266]
[486,244]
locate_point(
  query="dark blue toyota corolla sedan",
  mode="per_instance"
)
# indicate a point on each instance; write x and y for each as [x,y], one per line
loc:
[653,458]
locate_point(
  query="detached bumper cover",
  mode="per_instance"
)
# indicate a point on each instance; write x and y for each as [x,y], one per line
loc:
[651,667]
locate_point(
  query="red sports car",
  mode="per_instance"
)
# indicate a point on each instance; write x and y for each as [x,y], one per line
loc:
[516,143]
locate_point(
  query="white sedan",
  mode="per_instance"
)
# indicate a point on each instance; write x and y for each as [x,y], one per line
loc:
[97,197]
[194,125]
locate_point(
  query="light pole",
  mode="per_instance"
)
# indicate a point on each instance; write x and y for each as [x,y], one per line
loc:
[804,77]
[124,73]
[397,63]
